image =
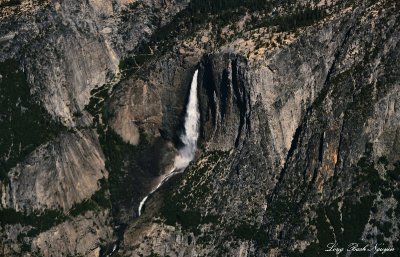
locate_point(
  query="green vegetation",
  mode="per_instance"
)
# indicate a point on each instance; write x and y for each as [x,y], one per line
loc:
[189,220]
[394,175]
[127,164]
[172,211]
[153,254]
[134,5]
[354,218]
[24,124]
[40,221]
[300,18]
[198,185]
[251,232]
[180,204]
[324,235]
[45,219]
[347,224]
[218,6]
[96,103]
[200,14]
[121,160]
[10,3]
[99,200]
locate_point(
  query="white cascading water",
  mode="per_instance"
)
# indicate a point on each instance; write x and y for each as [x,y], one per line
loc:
[188,138]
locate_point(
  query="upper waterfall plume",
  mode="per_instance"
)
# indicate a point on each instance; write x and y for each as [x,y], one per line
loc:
[191,132]
[189,139]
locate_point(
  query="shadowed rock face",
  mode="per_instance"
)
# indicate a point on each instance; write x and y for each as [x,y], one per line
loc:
[299,129]
[298,149]
[75,47]
[90,229]
[58,192]
[44,180]
[225,101]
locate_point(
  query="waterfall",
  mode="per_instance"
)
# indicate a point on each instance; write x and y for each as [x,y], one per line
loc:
[189,139]
[191,133]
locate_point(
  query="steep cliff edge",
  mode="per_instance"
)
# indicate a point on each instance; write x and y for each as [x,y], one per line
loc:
[299,119]
[53,173]
[294,154]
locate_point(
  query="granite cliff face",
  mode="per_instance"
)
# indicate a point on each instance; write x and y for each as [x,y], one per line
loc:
[289,157]
[54,177]
[299,119]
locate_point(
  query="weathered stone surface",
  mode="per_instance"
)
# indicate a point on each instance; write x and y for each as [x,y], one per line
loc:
[82,236]
[299,127]
[67,49]
[295,127]
[56,175]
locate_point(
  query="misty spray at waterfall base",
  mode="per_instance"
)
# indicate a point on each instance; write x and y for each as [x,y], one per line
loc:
[189,138]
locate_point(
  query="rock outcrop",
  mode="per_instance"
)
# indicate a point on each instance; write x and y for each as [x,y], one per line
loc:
[63,52]
[289,153]
[56,175]
[299,119]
